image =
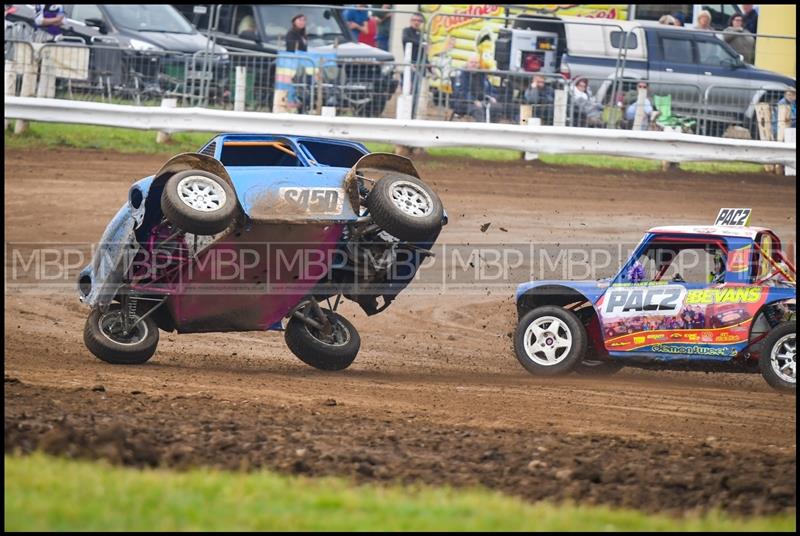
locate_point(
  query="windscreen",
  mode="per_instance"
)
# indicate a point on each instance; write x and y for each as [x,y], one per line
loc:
[321,30]
[149,18]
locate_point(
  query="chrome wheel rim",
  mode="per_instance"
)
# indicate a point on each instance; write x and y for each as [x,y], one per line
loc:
[339,337]
[411,199]
[547,341]
[782,358]
[110,325]
[201,193]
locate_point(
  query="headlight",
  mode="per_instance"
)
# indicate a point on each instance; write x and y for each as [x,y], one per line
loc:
[135,44]
[387,70]
[222,51]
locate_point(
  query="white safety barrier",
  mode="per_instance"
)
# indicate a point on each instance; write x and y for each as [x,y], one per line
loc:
[666,146]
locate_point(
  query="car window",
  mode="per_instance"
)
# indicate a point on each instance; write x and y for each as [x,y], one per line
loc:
[617,40]
[677,50]
[81,12]
[720,14]
[244,22]
[693,262]
[713,54]
[655,11]
[148,18]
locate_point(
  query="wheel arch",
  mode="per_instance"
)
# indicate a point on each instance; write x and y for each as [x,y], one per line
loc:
[771,315]
[569,299]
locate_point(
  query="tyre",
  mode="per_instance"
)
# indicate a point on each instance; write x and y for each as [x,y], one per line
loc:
[778,353]
[199,202]
[103,336]
[334,352]
[550,341]
[592,367]
[405,207]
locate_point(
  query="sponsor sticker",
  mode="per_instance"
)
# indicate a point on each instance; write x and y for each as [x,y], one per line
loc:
[733,217]
[632,301]
[314,200]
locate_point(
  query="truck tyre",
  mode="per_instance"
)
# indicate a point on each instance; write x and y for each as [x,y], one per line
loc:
[103,336]
[334,352]
[550,341]
[405,207]
[199,202]
[778,354]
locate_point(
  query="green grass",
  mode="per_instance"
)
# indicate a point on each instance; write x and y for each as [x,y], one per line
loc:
[139,141]
[46,493]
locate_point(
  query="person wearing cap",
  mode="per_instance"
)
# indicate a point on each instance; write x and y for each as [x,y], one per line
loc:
[680,18]
[296,39]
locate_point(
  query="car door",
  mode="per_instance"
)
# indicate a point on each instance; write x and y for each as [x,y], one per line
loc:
[673,70]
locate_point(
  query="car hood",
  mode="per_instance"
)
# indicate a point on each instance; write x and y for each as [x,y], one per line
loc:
[592,290]
[354,50]
[177,42]
[767,76]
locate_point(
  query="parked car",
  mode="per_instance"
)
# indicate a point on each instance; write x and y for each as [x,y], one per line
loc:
[660,310]
[259,232]
[706,78]
[147,47]
[364,81]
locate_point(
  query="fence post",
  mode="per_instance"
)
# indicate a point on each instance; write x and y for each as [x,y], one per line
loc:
[28,89]
[784,121]
[164,137]
[11,83]
[560,108]
[790,136]
[405,102]
[46,88]
[764,119]
[328,111]
[240,89]
[638,119]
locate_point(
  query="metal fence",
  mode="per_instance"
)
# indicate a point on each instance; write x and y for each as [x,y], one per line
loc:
[104,71]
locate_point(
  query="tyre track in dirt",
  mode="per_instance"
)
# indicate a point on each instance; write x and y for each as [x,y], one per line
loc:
[431,366]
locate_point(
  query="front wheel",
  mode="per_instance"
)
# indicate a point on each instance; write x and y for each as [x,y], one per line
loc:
[550,341]
[105,336]
[405,207]
[777,361]
[332,349]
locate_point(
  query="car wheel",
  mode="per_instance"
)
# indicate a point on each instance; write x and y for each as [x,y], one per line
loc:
[778,354]
[595,367]
[550,341]
[405,207]
[335,351]
[199,202]
[104,337]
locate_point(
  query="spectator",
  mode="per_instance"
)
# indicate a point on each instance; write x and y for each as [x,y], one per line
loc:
[790,99]
[669,20]
[744,43]
[384,19]
[370,36]
[296,39]
[650,113]
[247,28]
[49,19]
[703,21]
[541,96]
[472,92]
[680,18]
[413,35]
[586,110]
[750,18]
[356,20]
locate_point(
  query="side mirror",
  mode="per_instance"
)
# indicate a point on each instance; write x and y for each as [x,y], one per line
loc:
[97,23]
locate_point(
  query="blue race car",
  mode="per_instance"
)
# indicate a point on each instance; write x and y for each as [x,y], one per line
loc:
[717,297]
[255,232]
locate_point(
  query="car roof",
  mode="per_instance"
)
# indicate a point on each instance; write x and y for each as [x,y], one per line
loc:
[714,230]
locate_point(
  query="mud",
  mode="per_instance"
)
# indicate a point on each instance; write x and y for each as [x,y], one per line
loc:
[436,395]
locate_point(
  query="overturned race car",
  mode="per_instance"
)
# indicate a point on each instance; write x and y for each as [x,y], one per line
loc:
[718,297]
[258,232]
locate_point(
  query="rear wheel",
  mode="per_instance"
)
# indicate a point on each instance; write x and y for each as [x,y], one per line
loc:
[326,349]
[550,341]
[595,367]
[778,354]
[199,202]
[105,336]
[405,207]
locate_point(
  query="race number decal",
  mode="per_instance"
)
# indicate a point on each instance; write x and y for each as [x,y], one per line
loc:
[314,200]
[734,217]
[632,301]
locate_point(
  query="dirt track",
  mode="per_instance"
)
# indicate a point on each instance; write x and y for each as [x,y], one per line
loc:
[436,394]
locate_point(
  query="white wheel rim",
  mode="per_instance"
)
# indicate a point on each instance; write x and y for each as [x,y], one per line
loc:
[548,341]
[111,319]
[783,358]
[201,193]
[411,199]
